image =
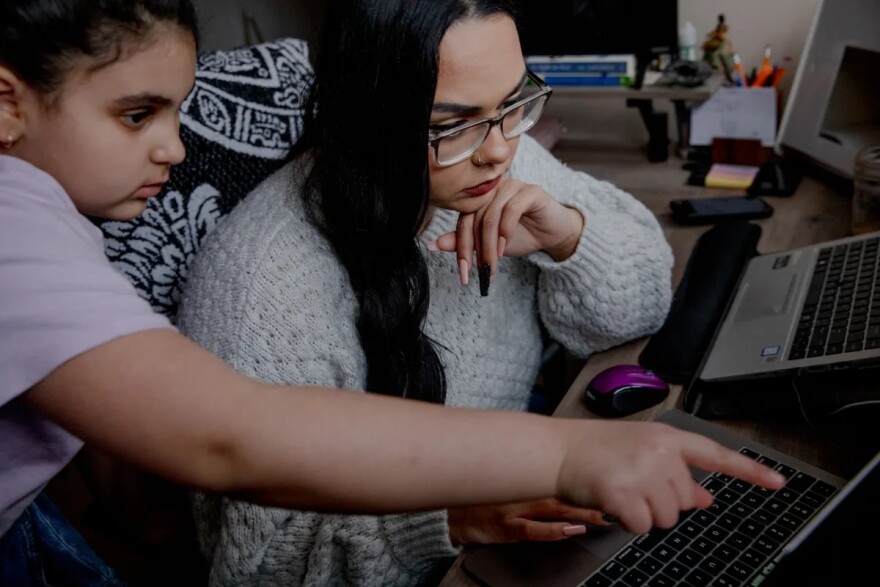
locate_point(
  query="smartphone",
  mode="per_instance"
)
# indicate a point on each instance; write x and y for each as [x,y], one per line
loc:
[711,210]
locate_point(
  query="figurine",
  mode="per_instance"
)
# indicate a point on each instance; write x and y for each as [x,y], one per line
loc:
[713,46]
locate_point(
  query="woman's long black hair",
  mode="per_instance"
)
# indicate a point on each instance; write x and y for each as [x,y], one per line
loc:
[367,131]
[41,39]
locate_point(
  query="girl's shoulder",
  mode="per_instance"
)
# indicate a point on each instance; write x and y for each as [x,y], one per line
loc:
[36,214]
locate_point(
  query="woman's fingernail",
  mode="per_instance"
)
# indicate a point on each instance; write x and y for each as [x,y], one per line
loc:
[463,271]
[502,242]
[432,246]
[485,279]
[574,530]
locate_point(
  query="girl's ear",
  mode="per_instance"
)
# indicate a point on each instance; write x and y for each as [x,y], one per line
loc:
[12,122]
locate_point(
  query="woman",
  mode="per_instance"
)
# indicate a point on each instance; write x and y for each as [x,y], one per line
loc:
[414,146]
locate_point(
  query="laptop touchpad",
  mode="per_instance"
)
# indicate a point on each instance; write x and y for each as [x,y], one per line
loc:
[768,297]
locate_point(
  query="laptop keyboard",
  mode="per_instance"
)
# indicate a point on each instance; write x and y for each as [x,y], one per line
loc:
[725,544]
[841,312]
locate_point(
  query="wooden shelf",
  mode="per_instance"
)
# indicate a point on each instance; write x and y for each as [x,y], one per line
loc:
[647,92]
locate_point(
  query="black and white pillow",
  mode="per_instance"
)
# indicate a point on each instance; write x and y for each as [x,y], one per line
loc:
[238,125]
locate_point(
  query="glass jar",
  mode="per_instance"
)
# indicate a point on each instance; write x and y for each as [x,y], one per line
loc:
[866,195]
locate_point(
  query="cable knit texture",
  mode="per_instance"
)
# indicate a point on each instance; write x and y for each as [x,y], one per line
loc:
[268,296]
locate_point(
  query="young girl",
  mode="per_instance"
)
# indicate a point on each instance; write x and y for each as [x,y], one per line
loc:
[323,275]
[89,97]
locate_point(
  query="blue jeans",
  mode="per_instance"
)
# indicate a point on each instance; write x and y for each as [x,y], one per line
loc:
[42,549]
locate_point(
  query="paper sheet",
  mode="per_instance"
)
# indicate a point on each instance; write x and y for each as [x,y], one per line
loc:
[736,113]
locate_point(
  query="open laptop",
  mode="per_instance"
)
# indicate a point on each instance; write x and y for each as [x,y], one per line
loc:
[808,530]
[805,310]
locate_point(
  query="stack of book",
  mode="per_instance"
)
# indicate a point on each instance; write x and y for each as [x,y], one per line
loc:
[584,70]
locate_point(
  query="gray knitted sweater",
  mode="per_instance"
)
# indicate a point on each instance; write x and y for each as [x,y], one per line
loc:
[267,295]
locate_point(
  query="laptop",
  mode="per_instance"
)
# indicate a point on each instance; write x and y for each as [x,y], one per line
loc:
[817,530]
[811,309]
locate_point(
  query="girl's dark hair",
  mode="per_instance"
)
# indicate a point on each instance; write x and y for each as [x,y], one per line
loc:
[40,39]
[367,131]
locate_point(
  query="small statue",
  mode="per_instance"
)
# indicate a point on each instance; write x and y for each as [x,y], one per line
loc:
[715,43]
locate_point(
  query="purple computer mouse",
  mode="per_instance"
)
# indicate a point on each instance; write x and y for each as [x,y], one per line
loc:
[623,390]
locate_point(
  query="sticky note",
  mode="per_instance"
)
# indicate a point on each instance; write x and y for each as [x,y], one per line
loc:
[731,176]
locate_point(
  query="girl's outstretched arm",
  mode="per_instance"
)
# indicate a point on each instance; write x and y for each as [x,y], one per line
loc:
[157,399]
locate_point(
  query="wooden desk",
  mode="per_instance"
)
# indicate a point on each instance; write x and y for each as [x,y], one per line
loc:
[814,214]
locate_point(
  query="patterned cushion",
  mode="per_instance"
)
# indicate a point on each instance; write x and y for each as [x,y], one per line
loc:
[238,125]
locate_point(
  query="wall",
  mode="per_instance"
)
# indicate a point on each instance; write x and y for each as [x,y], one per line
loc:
[222,21]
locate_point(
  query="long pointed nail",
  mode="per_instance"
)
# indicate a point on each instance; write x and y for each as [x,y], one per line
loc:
[485,279]
[463,271]
[432,246]
[502,242]
[574,530]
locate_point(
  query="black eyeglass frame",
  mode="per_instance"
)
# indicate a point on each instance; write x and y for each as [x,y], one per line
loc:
[434,139]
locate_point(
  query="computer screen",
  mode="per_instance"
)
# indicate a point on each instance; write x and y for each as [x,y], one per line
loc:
[598,27]
[840,546]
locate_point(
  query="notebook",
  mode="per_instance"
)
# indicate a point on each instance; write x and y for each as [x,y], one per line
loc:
[793,314]
[817,530]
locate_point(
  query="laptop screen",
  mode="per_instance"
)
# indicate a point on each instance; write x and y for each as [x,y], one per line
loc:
[839,546]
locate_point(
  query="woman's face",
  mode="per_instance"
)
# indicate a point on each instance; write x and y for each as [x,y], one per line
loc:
[481,71]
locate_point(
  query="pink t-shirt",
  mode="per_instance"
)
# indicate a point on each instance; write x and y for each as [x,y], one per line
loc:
[59,297]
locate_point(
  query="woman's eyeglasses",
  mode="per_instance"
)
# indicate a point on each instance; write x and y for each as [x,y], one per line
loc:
[454,145]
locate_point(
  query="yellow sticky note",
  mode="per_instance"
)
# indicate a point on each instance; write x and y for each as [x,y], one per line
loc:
[738,177]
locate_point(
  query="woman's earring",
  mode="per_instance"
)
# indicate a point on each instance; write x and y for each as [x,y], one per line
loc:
[9,142]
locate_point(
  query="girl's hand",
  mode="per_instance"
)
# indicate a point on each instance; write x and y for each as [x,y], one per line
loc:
[639,471]
[520,219]
[544,520]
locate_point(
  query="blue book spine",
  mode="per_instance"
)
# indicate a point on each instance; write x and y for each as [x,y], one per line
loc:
[571,67]
[577,80]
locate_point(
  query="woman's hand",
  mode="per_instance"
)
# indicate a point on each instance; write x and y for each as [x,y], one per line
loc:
[520,219]
[543,520]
